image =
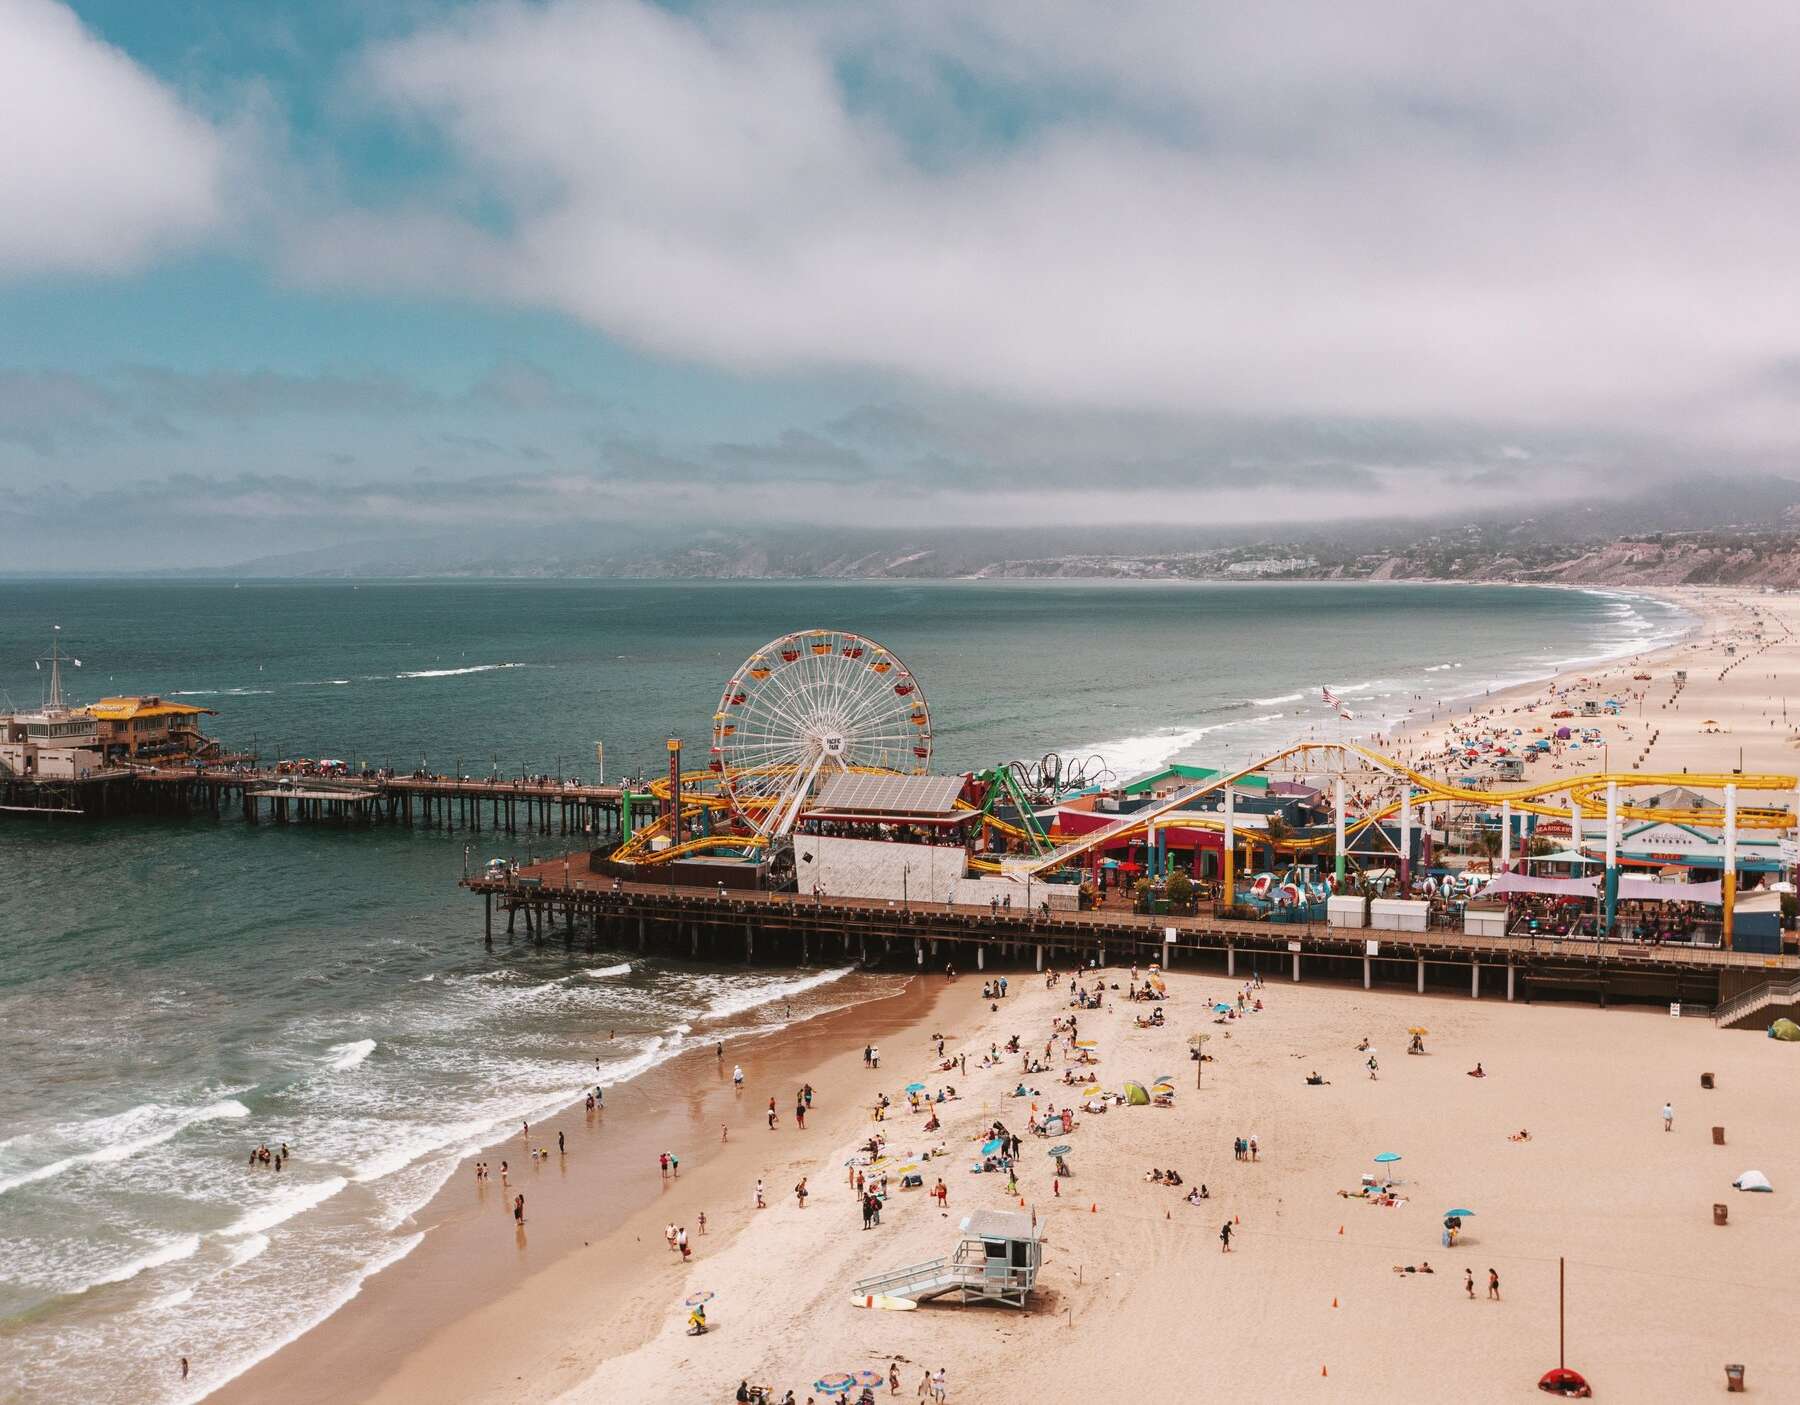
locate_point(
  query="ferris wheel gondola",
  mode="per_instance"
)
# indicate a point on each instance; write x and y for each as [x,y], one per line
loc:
[808,705]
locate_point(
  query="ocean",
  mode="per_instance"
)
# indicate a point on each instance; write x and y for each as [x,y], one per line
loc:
[175,992]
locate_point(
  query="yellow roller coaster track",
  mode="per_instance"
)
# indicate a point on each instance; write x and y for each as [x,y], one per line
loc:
[1586,793]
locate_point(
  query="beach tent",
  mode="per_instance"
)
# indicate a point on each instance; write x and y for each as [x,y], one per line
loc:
[1135,1096]
[1785,1029]
[1753,1180]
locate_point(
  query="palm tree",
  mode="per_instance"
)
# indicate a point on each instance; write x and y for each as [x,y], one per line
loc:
[1277,833]
[1487,841]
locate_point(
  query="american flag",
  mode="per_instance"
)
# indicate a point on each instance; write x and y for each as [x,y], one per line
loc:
[1330,697]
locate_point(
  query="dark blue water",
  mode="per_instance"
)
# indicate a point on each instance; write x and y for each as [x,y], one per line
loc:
[174,992]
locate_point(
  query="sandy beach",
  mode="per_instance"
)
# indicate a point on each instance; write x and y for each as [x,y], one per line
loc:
[586,1306]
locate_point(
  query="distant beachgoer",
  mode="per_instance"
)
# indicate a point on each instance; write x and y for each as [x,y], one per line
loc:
[893,1378]
[674,1165]
[939,1389]
[1225,1237]
[737,1077]
[682,1244]
[518,1209]
[502,1173]
[562,1148]
[662,1162]
[771,1119]
[525,1130]
[1469,1281]
[800,1192]
[184,1368]
[1493,1285]
[1668,1117]
[724,1132]
[800,1115]
[721,1051]
[925,1384]
[760,1203]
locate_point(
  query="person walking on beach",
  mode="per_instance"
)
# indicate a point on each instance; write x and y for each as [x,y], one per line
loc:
[893,1378]
[925,1385]
[761,1204]
[1668,1117]
[942,1192]
[940,1391]
[674,1165]
[771,1114]
[737,1078]
[1469,1283]
[800,1115]
[1225,1237]
[562,1148]
[519,1210]
[682,1244]
[800,1192]
[662,1162]
[1493,1286]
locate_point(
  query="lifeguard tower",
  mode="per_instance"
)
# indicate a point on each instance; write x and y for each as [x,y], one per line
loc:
[996,1262]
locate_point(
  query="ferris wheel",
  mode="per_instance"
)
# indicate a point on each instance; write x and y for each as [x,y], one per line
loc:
[809,704]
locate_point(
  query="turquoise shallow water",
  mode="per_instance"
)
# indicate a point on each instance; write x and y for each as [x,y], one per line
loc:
[174,992]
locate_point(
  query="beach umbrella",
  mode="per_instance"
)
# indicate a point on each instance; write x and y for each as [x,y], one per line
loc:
[870,1378]
[1087,1043]
[1165,1078]
[1417,1029]
[1388,1156]
[835,1385]
[1458,1214]
[1063,1150]
[989,1148]
[695,1299]
[1221,1008]
[915,1087]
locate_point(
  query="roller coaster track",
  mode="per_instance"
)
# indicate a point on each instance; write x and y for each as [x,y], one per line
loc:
[1583,793]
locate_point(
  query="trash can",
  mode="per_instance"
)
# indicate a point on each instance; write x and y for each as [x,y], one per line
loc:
[1718,1136]
[1721,1213]
[1734,1377]
[1706,1080]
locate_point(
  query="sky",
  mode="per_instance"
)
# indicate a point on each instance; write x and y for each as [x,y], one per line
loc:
[304,272]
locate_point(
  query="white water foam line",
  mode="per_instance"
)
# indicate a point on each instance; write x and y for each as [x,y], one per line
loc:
[348,1056]
[285,1207]
[130,1145]
[457,672]
[173,1251]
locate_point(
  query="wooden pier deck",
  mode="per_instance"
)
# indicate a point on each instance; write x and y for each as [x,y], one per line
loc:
[270,796]
[566,898]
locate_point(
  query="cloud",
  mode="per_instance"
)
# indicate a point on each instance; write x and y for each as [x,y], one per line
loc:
[1411,212]
[102,167]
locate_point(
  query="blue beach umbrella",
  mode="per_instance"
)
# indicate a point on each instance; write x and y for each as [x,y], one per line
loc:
[1458,1214]
[915,1087]
[989,1148]
[870,1378]
[1062,1150]
[695,1299]
[835,1385]
[1388,1156]
[1222,1008]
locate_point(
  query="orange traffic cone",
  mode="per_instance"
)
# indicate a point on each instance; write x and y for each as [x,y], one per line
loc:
[1235,1220]
[1094,1209]
[1340,1229]
[1323,1371]
[1021,1202]
[1334,1302]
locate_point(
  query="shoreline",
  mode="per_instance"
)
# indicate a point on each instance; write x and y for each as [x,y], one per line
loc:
[603,1203]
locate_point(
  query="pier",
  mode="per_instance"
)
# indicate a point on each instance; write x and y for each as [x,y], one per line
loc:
[267,796]
[574,897]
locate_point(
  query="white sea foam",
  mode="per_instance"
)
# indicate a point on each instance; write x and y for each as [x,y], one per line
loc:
[597,972]
[737,1002]
[171,1300]
[285,1207]
[247,1250]
[1440,667]
[1130,757]
[457,672]
[1270,702]
[173,1251]
[348,1056]
[125,1135]
[323,683]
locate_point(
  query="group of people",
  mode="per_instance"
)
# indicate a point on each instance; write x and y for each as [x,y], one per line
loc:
[262,1156]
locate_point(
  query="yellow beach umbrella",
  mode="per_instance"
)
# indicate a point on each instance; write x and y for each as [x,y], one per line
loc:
[1417,1029]
[1087,1043]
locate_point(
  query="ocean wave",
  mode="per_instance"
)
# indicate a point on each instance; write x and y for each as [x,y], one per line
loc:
[1270,702]
[457,672]
[285,1207]
[171,1252]
[597,972]
[171,1300]
[132,1141]
[323,683]
[735,1003]
[247,1250]
[1130,757]
[1347,689]
[1440,667]
[348,1056]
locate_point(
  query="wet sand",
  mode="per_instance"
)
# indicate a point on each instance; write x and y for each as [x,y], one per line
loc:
[590,1272]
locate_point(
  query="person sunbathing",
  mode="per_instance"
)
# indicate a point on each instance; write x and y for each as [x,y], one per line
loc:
[1154,1176]
[1314,1081]
[1520,1136]
[1362,1047]
[1423,1266]
[1477,1072]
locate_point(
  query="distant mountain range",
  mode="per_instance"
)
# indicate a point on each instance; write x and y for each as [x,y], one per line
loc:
[1711,531]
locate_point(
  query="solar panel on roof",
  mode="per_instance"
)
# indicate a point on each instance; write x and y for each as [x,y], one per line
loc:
[889,795]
